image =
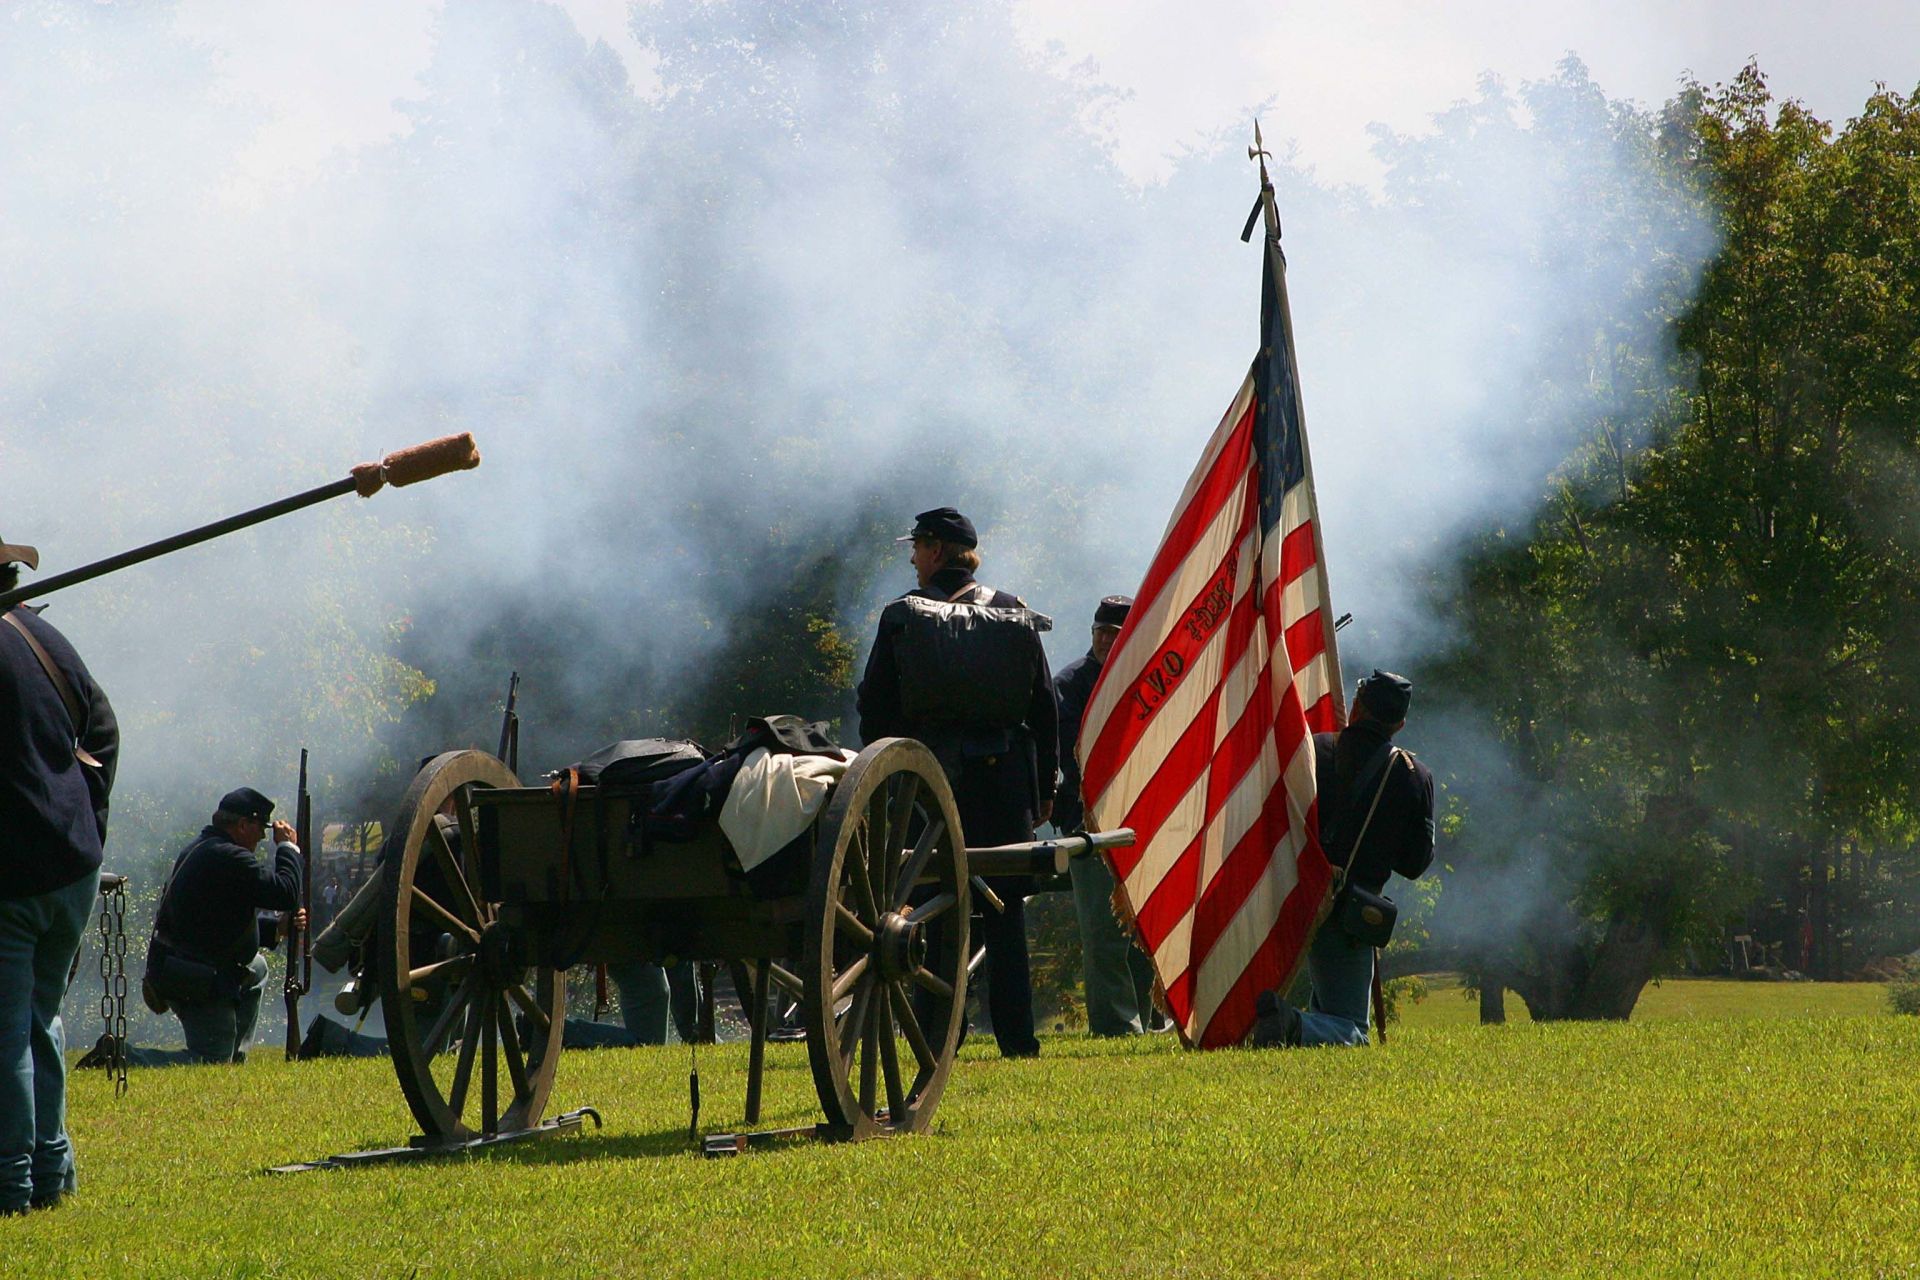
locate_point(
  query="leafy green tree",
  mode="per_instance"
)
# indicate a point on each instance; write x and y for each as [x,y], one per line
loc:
[1704,640]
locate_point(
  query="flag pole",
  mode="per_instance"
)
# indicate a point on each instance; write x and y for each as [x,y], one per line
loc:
[1265,205]
[1277,260]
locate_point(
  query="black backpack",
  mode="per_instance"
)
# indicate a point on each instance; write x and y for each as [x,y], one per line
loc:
[965,665]
[636,761]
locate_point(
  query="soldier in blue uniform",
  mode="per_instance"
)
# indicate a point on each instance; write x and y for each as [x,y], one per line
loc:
[1117,975]
[1372,840]
[58,744]
[1003,774]
[207,929]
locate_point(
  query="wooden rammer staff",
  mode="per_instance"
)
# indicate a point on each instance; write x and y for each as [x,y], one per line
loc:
[404,467]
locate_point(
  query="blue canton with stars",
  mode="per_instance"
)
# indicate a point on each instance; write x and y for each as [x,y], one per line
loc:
[1276,438]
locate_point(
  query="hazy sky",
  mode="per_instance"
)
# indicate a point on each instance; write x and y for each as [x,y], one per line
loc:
[1331,70]
[1187,71]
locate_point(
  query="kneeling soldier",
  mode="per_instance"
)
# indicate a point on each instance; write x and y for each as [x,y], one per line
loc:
[205,959]
[1376,818]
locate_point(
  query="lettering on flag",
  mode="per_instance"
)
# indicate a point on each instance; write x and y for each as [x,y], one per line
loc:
[1202,619]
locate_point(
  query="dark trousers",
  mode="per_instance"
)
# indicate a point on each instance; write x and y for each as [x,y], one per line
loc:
[1009,978]
[994,793]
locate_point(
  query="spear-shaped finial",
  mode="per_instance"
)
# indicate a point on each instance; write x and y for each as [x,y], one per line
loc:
[1263,203]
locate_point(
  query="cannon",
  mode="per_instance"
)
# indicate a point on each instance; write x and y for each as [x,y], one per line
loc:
[492,890]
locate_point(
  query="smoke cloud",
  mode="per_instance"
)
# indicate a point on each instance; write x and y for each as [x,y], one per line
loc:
[839,264]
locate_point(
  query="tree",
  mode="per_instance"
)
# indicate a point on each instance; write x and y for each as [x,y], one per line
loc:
[1706,638]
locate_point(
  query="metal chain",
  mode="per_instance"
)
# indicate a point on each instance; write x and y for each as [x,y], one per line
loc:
[106,959]
[113,977]
[120,989]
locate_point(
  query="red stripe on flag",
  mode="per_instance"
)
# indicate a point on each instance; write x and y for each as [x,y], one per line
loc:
[1238,753]
[1244,865]
[1195,751]
[1242,869]
[1174,895]
[1296,552]
[1272,609]
[1180,998]
[1239,749]
[1306,640]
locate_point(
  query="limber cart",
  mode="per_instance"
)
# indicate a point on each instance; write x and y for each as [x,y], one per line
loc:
[487,911]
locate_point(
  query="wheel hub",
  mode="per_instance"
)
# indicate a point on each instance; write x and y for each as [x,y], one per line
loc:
[901,946]
[497,967]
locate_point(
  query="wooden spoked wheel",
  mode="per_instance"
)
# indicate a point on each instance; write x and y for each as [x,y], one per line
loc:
[886,919]
[475,1037]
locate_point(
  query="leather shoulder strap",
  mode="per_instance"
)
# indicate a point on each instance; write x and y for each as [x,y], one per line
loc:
[974,590]
[68,698]
[1393,753]
[160,916]
[76,714]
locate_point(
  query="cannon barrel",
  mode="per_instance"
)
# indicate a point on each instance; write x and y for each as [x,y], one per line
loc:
[402,467]
[1043,857]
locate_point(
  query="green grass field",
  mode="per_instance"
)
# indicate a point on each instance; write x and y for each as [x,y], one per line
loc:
[1730,1129]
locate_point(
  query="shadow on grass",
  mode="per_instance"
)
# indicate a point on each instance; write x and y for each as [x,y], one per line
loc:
[587,1146]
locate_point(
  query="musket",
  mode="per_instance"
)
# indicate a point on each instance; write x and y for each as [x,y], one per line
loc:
[404,467]
[509,752]
[299,978]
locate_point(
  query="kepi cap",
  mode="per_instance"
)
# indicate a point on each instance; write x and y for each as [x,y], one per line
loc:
[1112,611]
[1385,695]
[246,803]
[943,523]
[15,553]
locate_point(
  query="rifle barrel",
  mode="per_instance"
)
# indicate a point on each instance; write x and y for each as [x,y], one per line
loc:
[509,722]
[88,572]
[299,979]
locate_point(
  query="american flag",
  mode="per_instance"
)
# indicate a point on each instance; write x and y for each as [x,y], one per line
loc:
[1199,733]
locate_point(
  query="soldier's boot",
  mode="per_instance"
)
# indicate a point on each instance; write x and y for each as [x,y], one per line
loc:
[1276,1023]
[101,1055]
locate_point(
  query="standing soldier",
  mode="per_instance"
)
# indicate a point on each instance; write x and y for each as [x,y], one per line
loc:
[205,958]
[969,679]
[1118,976]
[58,744]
